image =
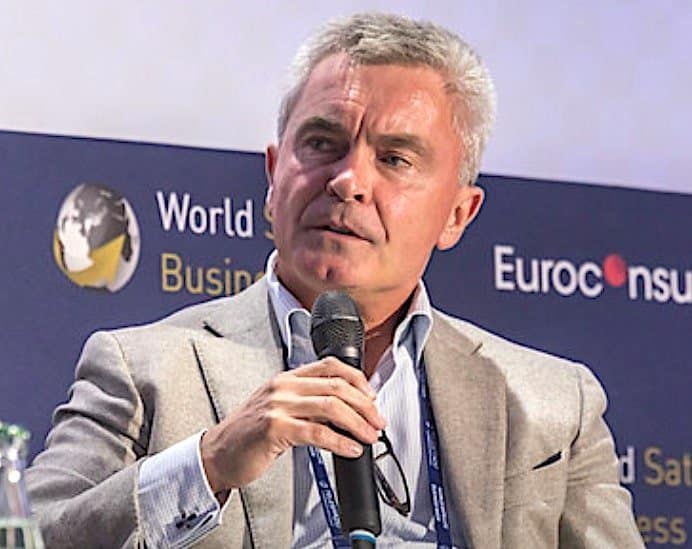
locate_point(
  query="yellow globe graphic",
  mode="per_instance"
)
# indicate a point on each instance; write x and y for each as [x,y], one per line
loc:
[96,240]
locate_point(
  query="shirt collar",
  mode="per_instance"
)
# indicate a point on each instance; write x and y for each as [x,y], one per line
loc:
[285,304]
[411,333]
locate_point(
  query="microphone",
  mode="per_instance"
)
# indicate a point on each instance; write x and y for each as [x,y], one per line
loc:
[337,330]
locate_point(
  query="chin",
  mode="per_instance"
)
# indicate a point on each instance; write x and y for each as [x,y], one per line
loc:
[336,276]
[332,272]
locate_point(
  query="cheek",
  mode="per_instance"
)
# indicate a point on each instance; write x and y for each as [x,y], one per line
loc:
[411,218]
[291,195]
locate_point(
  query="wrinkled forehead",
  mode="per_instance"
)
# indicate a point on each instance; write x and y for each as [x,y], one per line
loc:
[342,87]
[340,64]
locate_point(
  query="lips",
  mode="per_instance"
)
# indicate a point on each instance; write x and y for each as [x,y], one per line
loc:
[339,220]
[338,230]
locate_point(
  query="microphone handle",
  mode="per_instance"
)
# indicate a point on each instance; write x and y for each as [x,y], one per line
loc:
[355,487]
[360,509]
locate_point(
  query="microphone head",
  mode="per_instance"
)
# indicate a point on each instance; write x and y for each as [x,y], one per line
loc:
[336,326]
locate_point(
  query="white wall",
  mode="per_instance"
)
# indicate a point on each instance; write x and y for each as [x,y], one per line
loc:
[592,91]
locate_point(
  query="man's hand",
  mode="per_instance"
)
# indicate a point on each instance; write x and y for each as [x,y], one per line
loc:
[295,408]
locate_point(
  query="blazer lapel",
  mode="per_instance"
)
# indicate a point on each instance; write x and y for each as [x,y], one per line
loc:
[248,353]
[468,399]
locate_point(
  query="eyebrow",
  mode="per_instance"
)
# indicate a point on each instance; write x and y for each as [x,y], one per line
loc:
[408,141]
[320,123]
[404,141]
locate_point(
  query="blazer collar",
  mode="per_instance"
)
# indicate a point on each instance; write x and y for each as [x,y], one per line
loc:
[467,392]
[247,336]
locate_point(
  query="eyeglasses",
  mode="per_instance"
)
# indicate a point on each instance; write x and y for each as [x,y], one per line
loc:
[393,491]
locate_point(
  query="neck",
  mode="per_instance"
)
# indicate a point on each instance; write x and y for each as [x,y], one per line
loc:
[379,337]
[380,317]
[381,313]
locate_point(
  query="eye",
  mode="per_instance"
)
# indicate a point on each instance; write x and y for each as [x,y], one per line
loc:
[319,143]
[395,160]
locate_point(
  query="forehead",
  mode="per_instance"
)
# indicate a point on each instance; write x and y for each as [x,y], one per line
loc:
[383,97]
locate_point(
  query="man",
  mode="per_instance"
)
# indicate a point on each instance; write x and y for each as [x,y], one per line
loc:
[197,428]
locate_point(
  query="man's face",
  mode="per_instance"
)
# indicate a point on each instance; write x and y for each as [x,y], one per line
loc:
[364,183]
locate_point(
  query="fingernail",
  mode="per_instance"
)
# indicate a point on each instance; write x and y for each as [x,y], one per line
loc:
[355,450]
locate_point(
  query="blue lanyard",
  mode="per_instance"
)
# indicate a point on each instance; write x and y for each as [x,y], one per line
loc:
[330,506]
[437,493]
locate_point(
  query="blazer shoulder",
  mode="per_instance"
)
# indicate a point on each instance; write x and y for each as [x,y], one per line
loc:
[515,360]
[241,318]
[178,326]
[201,317]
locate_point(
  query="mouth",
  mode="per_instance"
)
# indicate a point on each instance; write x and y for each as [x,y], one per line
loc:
[339,230]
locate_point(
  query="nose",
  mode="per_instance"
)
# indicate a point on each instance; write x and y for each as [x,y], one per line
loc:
[351,180]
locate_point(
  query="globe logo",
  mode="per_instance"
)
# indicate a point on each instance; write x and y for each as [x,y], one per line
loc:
[96,241]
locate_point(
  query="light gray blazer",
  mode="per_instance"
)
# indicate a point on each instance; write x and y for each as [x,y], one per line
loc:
[526,455]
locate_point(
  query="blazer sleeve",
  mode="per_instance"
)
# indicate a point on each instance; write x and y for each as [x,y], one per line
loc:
[83,486]
[597,511]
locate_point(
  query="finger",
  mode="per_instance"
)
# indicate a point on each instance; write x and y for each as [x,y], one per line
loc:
[333,367]
[331,409]
[304,433]
[339,388]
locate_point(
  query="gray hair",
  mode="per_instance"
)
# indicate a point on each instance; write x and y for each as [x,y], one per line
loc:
[386,39]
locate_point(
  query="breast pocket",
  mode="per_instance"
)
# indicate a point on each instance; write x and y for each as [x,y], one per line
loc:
[543,483]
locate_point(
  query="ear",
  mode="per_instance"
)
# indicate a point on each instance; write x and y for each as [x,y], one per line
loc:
[467,202]
[270,159]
